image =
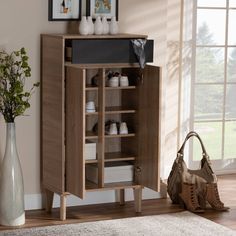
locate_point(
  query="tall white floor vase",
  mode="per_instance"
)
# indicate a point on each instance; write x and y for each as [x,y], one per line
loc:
[12,211]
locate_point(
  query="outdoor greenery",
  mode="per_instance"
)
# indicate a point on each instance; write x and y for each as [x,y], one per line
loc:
[210,68]
[14,70]
[212,138]
[209,100]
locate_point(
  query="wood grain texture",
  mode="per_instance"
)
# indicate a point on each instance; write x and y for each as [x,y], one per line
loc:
[138,199]
[64,105]
[122,197]
[52,84]
[49,200]
[119,110]
[105,65]
[101,127]
[90,186]
[148,129]
[63,207]
[75,131]
[114,157]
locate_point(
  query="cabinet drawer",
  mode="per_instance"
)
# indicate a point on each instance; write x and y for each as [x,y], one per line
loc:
[106,51]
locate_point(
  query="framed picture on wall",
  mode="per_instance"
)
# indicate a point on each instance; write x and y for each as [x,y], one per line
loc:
[64,10]
[108,8]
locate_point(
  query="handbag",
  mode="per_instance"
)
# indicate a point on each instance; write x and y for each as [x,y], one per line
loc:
[180,173]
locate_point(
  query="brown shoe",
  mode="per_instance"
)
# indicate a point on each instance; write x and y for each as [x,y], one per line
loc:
[213,198]
[189,197]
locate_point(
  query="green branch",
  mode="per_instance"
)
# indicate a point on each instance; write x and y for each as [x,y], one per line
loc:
[14,70]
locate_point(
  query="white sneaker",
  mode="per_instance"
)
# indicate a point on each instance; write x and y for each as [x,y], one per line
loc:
[113,129]
[90,107]
[113,81]
[123,128]
[124,82]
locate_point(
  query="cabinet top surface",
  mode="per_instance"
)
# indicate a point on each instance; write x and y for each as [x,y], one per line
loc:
[78,36]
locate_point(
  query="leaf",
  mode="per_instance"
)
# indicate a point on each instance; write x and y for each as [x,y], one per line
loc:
[22,51]
[36,84]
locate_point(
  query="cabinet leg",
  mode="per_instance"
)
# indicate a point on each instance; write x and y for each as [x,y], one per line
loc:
[63,207]
[49,200]
[163,189]
[122,197]
[138,199]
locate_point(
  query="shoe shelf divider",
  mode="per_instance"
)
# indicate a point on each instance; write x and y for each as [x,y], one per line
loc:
[65,91]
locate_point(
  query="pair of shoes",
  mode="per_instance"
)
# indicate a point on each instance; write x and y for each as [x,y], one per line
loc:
[116,80]
[197,203]
[189,199]
[213,198]
[112,129]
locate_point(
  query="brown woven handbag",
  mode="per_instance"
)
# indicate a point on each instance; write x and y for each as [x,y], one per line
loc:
[180,173]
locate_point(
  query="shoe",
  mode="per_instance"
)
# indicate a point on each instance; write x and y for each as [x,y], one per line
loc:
[113,129]
[113,80]
[123,128]
[213,198]
[189,198]
[90,107]
[124,82]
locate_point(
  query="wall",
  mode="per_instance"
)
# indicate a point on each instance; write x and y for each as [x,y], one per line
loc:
[21,23]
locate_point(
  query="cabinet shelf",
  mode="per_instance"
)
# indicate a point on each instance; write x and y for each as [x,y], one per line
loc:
[91,135]
[90,186]
[91,113]
[91,88]
[118,156]
[120,88]
[114,157]
[103,65]
[119,135]
[118,110]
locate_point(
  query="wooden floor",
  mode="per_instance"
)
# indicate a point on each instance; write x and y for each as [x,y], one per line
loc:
[227,186]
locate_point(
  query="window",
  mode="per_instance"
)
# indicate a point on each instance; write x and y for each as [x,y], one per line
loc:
[213,101]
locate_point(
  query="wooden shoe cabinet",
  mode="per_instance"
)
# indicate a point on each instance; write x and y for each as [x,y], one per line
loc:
[66,126]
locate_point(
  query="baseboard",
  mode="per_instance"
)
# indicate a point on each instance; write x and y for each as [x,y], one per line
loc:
[34,201]
[225,172]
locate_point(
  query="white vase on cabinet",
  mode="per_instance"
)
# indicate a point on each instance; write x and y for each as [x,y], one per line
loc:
[114,29]
[91,25]
[98,27]
[84,26]
[105,25]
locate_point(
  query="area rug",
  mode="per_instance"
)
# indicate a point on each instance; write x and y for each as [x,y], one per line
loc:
[177,224]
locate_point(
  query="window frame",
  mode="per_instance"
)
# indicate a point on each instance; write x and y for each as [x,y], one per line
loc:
[218,164]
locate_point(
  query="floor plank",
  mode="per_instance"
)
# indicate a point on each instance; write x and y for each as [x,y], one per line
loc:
[227,186]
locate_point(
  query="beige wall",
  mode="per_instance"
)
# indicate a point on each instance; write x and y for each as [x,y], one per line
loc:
[22,22]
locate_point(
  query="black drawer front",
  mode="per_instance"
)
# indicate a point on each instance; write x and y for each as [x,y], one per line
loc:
[107,51]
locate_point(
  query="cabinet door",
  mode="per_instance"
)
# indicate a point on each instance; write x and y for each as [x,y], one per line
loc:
[75,131]
[148,166]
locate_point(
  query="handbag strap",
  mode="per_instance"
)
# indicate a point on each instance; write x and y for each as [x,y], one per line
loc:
[189,135]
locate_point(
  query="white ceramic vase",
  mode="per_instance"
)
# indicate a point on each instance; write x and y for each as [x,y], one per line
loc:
[98,27]
[91,25]
[105,25]
[12,210]
[84,26]
[114,29]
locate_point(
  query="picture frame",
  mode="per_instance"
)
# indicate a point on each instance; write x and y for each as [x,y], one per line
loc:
[107,8]
[64,10]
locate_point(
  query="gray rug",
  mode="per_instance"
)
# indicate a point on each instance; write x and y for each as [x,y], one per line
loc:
[184,224]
